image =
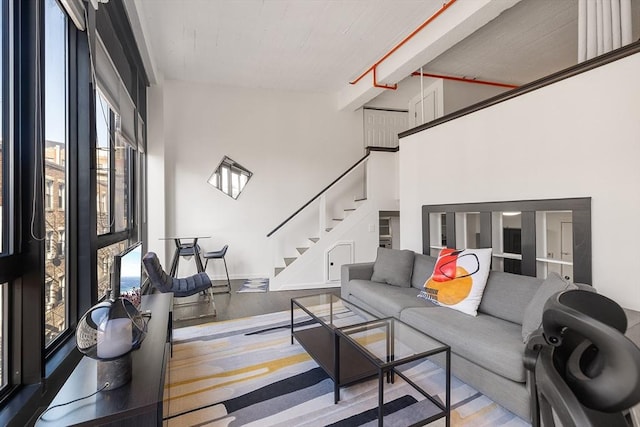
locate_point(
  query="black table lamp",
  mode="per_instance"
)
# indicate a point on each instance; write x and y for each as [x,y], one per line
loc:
[108,332]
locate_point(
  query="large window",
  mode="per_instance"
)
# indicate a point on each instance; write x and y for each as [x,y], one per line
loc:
[105,259]
[5,186]
[55,170]
[114,177]
[48,165]
[122,157]
[3,335]
[104,114]
[3,112]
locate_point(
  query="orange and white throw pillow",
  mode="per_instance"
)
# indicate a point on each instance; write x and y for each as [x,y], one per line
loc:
[459,278]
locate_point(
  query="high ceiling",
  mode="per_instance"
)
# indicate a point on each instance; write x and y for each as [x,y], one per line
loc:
[320,45]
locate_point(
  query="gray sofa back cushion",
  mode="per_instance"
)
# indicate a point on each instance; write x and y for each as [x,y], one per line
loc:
[393,267]
[532,319]
[507,295]
[422,269]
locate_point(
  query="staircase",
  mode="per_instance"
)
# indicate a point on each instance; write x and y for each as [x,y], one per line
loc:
[334,222]
[340,214]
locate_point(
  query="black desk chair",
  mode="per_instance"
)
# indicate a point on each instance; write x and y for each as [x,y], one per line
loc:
[218,255]
[583,371]
[181,287]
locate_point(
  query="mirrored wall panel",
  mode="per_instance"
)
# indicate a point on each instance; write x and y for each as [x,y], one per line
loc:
[555,253]
[507,241]
[230,177]
[529,237]
[468,230]
[438,232]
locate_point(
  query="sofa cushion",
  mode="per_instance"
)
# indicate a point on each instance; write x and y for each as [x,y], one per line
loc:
[533,313]
[393,267]
[388,300]
[506,295]
[459,278]
[422,270]
[492,343]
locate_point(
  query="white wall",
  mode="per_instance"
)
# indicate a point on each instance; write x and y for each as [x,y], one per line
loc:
[156,218]
[576,138]
[458,95]
[294,143]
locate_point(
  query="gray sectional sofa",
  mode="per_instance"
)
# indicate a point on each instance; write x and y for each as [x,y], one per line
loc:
[487,350]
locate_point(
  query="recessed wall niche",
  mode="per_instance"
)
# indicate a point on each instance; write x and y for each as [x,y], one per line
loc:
[529,237]
[230,177]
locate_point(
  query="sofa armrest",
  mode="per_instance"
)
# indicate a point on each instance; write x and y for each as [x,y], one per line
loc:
[348,272]
[363,271]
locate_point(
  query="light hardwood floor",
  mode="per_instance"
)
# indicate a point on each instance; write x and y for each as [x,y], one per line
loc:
[234,305]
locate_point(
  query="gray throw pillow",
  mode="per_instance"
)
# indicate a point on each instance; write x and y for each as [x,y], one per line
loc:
[533,313]
[393,267]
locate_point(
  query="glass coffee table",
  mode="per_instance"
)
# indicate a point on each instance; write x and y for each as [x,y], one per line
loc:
[352,345]
[388,344]
[315,332]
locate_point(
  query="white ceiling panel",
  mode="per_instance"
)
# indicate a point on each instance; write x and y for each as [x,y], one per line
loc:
[311,45]
[320,45]
[529,41]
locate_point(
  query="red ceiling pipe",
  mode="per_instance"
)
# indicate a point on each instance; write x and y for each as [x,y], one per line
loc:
[396,47]
[464,79]
[376,84]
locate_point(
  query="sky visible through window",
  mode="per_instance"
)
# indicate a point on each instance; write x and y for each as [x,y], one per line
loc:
[55,57]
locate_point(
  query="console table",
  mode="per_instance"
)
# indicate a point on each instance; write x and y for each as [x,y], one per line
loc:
[138,403]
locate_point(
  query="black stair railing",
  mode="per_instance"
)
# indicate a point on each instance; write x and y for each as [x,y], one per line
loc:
[355,165]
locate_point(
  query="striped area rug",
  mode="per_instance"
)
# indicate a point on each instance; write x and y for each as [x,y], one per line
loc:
[246,372]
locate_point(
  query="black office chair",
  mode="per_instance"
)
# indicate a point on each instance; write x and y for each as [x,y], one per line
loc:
[219,255]
[181,287]
[583,371]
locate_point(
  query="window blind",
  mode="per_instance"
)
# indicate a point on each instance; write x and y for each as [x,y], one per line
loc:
[75,10]
[116,93]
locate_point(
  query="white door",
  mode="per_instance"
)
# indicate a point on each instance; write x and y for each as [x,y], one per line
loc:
[337,256]
[427,114]
[432,108]
[566,248]
[381,127]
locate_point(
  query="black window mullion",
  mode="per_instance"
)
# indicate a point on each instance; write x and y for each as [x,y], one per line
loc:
[71,184]
[112,171]
[7,143]
[86,184]
[27,291]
